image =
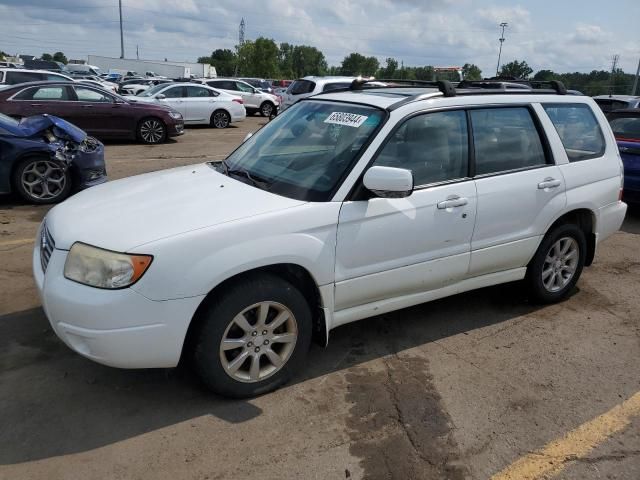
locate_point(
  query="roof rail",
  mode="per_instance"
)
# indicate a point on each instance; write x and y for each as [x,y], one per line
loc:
[504,84]
[446,88]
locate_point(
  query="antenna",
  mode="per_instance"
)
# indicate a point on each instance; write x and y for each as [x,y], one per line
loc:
[503,25]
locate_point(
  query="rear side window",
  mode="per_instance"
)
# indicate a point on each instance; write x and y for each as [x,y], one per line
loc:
[334,86]
[505,139]
[302,86]
[578,129]
[199,92]
[13,78]
[626,128]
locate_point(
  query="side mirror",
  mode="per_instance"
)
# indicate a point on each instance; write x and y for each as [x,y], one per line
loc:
[389,182]
[249,135]
[160,96]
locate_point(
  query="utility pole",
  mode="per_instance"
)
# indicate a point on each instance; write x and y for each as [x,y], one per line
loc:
[240,43]
[137,52]
[503,25]
[635,82]
[614,64]
[121,34]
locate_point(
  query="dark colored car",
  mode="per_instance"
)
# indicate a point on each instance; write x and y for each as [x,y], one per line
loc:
[626,128]
[98,112]
[609,103]
[44,158]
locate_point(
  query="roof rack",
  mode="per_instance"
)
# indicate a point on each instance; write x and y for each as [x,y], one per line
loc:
[515,84]
[445,87]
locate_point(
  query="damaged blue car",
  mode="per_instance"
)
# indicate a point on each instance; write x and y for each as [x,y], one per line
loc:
[45,158]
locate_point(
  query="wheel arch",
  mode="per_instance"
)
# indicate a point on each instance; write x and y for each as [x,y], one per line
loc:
[293,273]
[585,219]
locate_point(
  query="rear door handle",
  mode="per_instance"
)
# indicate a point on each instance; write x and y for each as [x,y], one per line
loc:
[452,202]
[549,183]
[36,104]
[86,106]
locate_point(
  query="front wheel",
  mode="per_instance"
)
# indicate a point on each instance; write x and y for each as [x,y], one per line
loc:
[557,265]
[251,339]
[42,180]
[152,131]
[266,109]
[220,119]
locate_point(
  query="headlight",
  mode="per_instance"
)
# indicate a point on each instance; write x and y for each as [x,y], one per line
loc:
[176,115]
[103,268]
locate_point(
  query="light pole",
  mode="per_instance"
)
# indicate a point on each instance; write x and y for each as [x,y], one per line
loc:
[503,25]
[121,35]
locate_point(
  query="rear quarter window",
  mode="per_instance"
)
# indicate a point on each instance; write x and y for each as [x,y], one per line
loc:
[578,129]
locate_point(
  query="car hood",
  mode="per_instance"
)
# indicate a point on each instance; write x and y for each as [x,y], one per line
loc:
[30,126]
[124,214]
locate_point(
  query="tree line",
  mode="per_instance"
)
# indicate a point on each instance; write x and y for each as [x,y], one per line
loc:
[264,58]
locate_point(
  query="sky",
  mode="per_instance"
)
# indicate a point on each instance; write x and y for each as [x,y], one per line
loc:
[560,35]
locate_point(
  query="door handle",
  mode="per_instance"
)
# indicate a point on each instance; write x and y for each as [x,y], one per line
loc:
[36,104]
[549,182]
[452,202]
[86,106]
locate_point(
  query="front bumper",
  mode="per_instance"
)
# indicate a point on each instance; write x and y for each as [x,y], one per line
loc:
[176,129]
[119,328]
[88,168]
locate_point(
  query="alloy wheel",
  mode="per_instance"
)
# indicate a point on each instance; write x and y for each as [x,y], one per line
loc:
[152,131]
[220,120]
[267,109]
[560,264]
[44,179]
[258,342]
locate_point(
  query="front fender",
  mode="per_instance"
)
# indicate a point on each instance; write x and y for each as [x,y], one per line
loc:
[195,263]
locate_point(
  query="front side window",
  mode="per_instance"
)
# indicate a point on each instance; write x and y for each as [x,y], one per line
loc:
[434,146]
[578,129]
[243,87]
[305,153]
[505,139]
[89,95]
[198,92]
[301,86]
[175,92]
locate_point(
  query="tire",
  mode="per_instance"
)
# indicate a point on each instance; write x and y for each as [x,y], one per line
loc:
[220,119]
[220,320]
[152,130]
[41,180]
[266,109]
[556,267]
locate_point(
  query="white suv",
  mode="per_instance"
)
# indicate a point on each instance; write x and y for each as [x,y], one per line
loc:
[254,100]
[307,86]
[350,204]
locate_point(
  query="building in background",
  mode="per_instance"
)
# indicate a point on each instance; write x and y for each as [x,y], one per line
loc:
[167,69]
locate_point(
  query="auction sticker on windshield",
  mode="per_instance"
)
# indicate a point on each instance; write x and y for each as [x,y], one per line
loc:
[348,119]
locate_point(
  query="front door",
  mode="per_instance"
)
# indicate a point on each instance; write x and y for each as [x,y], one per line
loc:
[100,114]
[394,247]
[175,98]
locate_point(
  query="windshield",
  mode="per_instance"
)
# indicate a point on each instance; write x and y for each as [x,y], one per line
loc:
[305,152]
[150,92]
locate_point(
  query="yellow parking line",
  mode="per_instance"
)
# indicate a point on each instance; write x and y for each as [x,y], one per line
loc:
[13,243]
[553,458]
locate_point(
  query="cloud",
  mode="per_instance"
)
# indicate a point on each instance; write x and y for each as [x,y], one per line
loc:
[417,32]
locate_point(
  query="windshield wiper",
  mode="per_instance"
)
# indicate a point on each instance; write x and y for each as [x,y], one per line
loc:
[256,182]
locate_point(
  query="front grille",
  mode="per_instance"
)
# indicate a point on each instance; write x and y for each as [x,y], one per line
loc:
[46,247]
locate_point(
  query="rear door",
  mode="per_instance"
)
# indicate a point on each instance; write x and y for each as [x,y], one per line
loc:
[52,99]
[249,97]
[520,189]
[200,103]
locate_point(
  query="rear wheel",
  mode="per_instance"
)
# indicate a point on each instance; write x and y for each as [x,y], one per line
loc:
[253,337]
[266,109]
[558,263]
[220,119]
[152,131]
[42,180]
